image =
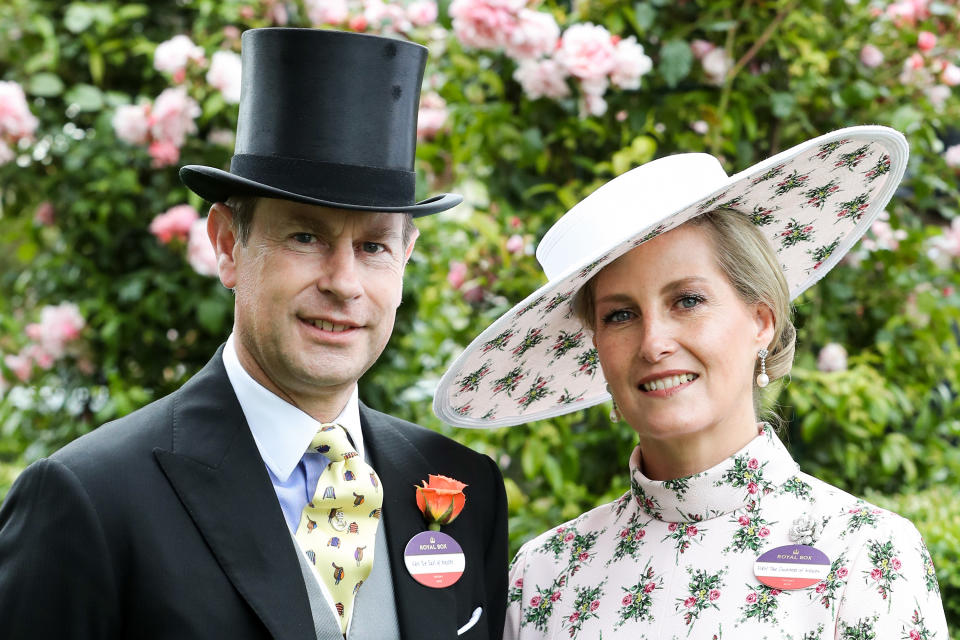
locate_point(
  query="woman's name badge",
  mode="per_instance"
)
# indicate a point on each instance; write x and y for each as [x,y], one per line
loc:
[795,566]
[434,559]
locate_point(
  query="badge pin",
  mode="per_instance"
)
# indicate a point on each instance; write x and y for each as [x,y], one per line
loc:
[803,530]
[795,566]
[434,559]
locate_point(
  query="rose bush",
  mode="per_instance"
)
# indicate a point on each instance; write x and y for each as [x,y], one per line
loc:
[527,107]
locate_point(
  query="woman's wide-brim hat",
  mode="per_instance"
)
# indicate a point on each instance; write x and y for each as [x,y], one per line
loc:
[326,118]
[813,202]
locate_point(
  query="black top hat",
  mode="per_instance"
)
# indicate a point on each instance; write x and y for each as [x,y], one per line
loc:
[327,118]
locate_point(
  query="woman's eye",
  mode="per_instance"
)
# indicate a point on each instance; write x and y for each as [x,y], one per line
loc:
[620,315]
[689,302]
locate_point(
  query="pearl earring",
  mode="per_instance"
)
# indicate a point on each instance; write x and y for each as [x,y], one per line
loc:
[763,379]
[614,412]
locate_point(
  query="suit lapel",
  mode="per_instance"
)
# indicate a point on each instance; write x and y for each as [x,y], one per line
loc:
[216,470]
[423,612]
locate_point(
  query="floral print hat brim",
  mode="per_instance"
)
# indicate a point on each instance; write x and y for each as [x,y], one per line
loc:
[813,202]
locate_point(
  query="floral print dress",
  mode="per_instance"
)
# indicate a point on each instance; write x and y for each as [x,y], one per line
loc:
[675,560]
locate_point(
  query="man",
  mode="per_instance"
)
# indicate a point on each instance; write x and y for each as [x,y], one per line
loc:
[203,514]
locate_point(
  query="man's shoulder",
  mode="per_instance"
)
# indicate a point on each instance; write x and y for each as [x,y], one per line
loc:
[427,441]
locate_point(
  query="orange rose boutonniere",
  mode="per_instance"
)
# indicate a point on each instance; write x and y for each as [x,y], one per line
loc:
[440,500]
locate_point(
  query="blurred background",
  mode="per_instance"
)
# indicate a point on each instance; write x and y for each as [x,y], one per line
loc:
[108,294]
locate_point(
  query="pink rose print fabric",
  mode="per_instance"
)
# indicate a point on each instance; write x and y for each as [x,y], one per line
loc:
[674,560]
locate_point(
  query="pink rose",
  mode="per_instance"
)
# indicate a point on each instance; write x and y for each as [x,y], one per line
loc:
[594,605]
[175,222]
[842,572]
[40,356]
[200,253]
[432,115]
[876,574]
[386,17]
[587,51]
[625,533]
[583,557]
[535,601]
[775,592]
[422,12]
[821,587]
[574,616]
[485,24]
[752,487]
[518,583]
[701,48]
[58,325]
[16,120]
[914,62]
[639,534]
[716,64]
[915,635]
[753,463]
[950,75]
[543,78]
[870,56]
[926,41]
[326,11]
[515,244]
[568,537]
[672,527]
[751,598]
[172,116]
[456,277]
[691,531]
[700,126]
[535,35]
[131,123]
[554,596]
[173,55]
[44,214]
[20,365]
[689,602]
[224,74]
[952,156]
[832,357]
[764,532]
[629,64]
[714,595]
[744,521]
[649,587]
[164,154]
[627,600]
[895,563]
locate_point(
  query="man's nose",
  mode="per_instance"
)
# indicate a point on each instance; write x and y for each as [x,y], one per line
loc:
[340,274]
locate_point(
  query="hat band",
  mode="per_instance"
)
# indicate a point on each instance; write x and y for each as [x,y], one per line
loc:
[330,181]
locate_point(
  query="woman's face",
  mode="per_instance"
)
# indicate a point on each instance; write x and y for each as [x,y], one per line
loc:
[676,343]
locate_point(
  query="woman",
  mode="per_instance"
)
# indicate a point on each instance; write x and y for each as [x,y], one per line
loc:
[681,278]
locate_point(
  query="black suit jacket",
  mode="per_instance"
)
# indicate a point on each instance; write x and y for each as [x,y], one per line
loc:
[164,524]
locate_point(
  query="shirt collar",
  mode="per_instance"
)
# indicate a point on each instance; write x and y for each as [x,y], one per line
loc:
[739,481]
[281,431]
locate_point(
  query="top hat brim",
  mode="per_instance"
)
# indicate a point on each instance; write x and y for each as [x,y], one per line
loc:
[217,185]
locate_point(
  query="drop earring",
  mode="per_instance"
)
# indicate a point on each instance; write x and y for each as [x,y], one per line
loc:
[614,412]
[763,379]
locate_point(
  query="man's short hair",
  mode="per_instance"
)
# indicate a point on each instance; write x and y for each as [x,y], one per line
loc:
[244,206]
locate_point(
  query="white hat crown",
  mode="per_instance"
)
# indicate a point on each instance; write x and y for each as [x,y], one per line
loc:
[606,216]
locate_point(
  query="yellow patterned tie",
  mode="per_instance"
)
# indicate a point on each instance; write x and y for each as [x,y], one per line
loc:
[338,527]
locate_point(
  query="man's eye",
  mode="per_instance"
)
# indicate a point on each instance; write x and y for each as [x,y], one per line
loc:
[373,247]
[303,238]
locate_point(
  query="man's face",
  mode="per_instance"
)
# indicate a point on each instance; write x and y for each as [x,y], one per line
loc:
[317,291]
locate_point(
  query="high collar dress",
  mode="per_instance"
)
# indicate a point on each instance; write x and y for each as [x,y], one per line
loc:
[674,560]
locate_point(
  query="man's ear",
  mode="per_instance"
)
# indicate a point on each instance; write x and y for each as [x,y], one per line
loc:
[224,240]
[415,233]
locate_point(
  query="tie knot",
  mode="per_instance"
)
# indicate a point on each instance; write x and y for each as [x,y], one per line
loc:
[332,441]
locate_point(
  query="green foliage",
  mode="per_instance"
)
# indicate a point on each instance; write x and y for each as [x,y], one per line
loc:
[890,422]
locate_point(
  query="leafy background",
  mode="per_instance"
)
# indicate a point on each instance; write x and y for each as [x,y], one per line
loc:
[76,205]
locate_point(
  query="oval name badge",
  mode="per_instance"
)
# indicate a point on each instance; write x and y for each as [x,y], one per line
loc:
[434,559]
[795,566]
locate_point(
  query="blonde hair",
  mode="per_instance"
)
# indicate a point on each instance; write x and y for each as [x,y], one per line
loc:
[751,266]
